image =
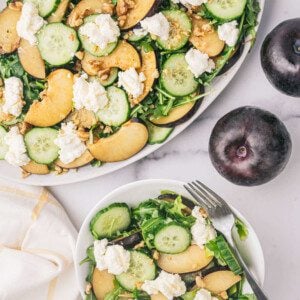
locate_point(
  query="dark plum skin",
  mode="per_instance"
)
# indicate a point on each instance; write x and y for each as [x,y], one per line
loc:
[280,57]
[233,60]
[249,146]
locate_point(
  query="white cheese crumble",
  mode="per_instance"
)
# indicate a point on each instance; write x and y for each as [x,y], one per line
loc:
[170,285]
[115,259]
[16,154]
[157,25]
[190,2]
[202,232]
[89,95]
[140,32]
[132,82]
[70,145]
[29,23]
[13,96]
[102,31]
[229,33]
[199,62]
[204,295]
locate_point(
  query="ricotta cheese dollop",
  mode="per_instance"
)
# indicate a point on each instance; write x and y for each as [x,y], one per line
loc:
[170,285]
[190,2]
[102,31]
[202,232]
[16,154]
[157,25]
[13,96]
[199,62]
[115,259]
[89,95]
[29,23]
[132,82]
[229,33]
[70,145]
[204,295]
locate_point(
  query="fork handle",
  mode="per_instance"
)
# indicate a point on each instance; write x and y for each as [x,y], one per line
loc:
[259,293]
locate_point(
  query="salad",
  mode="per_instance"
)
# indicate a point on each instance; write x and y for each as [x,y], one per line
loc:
[94,81]
[165,248]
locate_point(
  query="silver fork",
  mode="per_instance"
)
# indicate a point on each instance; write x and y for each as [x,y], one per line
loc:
[223,219]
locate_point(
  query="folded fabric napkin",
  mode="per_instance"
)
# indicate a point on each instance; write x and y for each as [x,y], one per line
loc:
[37,242]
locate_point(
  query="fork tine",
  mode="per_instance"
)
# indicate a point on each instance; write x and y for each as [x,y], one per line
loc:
[203,199]
[204,195]
[211,193]
[196,197]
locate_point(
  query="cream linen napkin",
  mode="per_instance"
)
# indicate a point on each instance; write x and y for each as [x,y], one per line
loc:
[37,243]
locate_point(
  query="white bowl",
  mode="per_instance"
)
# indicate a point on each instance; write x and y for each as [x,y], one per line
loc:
[136,192]
[88,172]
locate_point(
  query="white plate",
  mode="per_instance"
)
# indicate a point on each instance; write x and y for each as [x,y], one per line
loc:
[136,192]
[88,172]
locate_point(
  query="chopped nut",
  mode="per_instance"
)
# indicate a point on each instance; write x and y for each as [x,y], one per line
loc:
[139,245]
[16,5]
[83,135]
[203,212]
[88,288]
[104,74]
[83,118]
[155,255]
[122,20]
[79,55]
[199,282]
[25,174]
[58,170]
[139,285]
[24,127]
[107,129]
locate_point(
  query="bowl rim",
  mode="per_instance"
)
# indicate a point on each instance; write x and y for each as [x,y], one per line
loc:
[108,199]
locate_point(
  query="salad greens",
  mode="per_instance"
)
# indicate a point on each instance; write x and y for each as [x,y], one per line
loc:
[11,66]
[146,218]
[159,102]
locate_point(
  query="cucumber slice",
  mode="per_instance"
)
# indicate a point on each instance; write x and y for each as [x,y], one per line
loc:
[172,238]
[113,75]
[181,28]
[176,77]
[141,268]
[110,221]
[157,135]
[40,145]
[226,10]
[228,255]
[92,48]
[132,37]
[117,110]
[57,43]
[45,7]
[3,146]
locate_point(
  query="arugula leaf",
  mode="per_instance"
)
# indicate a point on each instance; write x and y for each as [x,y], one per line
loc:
[241,229]
[115,293]
[11,66]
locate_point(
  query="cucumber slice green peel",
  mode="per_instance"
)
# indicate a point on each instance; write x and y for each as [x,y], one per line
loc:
[141,268]
[172,238]
[110,221]
[40,145]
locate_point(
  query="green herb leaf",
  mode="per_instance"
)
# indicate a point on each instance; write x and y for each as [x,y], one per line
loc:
[241,229]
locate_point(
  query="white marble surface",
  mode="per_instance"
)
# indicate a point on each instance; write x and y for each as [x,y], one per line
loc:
[273,209]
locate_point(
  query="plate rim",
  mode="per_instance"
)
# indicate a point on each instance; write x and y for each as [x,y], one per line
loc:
[88,172]
[108,199]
